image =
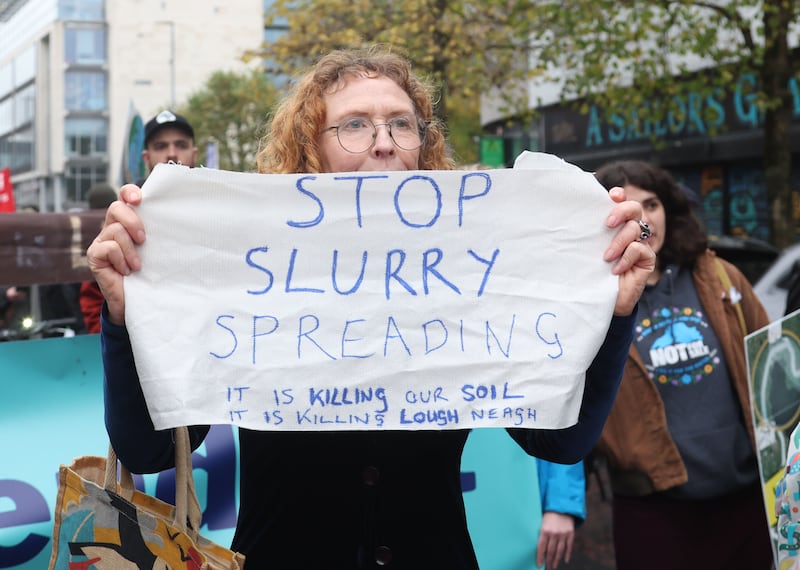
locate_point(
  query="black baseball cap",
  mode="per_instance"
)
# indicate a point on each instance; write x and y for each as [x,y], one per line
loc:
[166,119]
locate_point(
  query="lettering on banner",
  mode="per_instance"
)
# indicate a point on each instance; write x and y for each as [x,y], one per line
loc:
[370,406]
[414,274]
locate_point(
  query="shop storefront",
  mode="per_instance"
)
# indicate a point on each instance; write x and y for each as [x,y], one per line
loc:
[711,143]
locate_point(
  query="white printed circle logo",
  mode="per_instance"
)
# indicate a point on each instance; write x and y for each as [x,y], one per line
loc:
[679,354]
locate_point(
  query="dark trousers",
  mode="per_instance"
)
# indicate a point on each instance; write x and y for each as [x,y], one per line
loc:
[724,533]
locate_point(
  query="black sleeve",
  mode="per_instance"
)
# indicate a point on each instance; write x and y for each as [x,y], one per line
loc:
[139,446]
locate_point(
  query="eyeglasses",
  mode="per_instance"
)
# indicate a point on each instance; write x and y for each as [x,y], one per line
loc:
[358,134]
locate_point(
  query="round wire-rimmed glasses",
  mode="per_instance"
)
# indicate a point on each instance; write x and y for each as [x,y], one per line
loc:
[358,134]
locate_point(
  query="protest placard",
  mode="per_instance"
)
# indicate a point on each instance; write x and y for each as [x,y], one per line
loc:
[773,368]
[371,300]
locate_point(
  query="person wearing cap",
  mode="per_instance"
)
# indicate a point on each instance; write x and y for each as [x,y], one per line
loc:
[168,137]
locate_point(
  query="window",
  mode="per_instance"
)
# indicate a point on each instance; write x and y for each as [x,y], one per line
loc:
[24,106]
[85,91]
[16,151]
[5,151]
[6,79]
[22,142]
[85,137]
[25,67]
[79,178]
[88,10]
[18,110]
[6,116]
[86,46]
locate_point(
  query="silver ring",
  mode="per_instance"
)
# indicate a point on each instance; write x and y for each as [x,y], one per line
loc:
[646,232]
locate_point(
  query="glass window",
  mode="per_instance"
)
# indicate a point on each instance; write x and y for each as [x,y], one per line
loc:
[16,151]
[85,91]
[79,178]
[24,106]
[23,151]
[85,137]
[5,151]
[85,46]
[6,116]
[91,10]
[6,79]
[25,67]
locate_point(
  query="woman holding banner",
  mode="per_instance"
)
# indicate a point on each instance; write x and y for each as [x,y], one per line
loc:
[680,441]
[356,499]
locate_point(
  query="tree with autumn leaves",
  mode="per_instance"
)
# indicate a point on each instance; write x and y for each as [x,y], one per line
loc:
[619,55]
[446,41]
[231,110]
[626,56]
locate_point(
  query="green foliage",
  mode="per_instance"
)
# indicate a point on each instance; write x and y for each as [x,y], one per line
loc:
[599,48]
[622,54]
[617,54]
[231,110]
[606,46]
[464,128]
[463,47]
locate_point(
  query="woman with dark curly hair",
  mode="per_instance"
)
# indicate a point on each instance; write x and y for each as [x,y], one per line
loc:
[679,441]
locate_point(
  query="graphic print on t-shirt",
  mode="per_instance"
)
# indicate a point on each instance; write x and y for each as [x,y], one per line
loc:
[674,346]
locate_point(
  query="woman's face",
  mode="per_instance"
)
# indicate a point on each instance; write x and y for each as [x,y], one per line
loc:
[652,212]
[378,99]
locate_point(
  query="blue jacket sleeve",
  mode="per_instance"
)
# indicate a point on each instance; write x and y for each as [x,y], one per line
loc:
[562,489]
[572,444]
[139,446]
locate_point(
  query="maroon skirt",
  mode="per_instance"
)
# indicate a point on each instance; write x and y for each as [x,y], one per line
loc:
[661,533]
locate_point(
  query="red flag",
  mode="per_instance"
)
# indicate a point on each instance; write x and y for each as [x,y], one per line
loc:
[6,191]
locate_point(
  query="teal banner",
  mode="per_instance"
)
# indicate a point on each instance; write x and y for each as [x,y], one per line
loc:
[51,411]
[503,509]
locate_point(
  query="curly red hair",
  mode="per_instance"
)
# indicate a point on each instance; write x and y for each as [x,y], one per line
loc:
[291,143]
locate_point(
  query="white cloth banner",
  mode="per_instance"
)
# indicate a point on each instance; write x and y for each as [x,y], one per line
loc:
[370,300]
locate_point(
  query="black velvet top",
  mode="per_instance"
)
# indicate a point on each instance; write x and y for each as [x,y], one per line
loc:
[356,499]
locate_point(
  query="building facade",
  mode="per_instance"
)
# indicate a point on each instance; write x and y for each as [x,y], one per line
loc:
[720,159]
[718,155]
[73,74]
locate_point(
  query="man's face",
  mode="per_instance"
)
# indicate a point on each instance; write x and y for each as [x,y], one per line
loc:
[170,144]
